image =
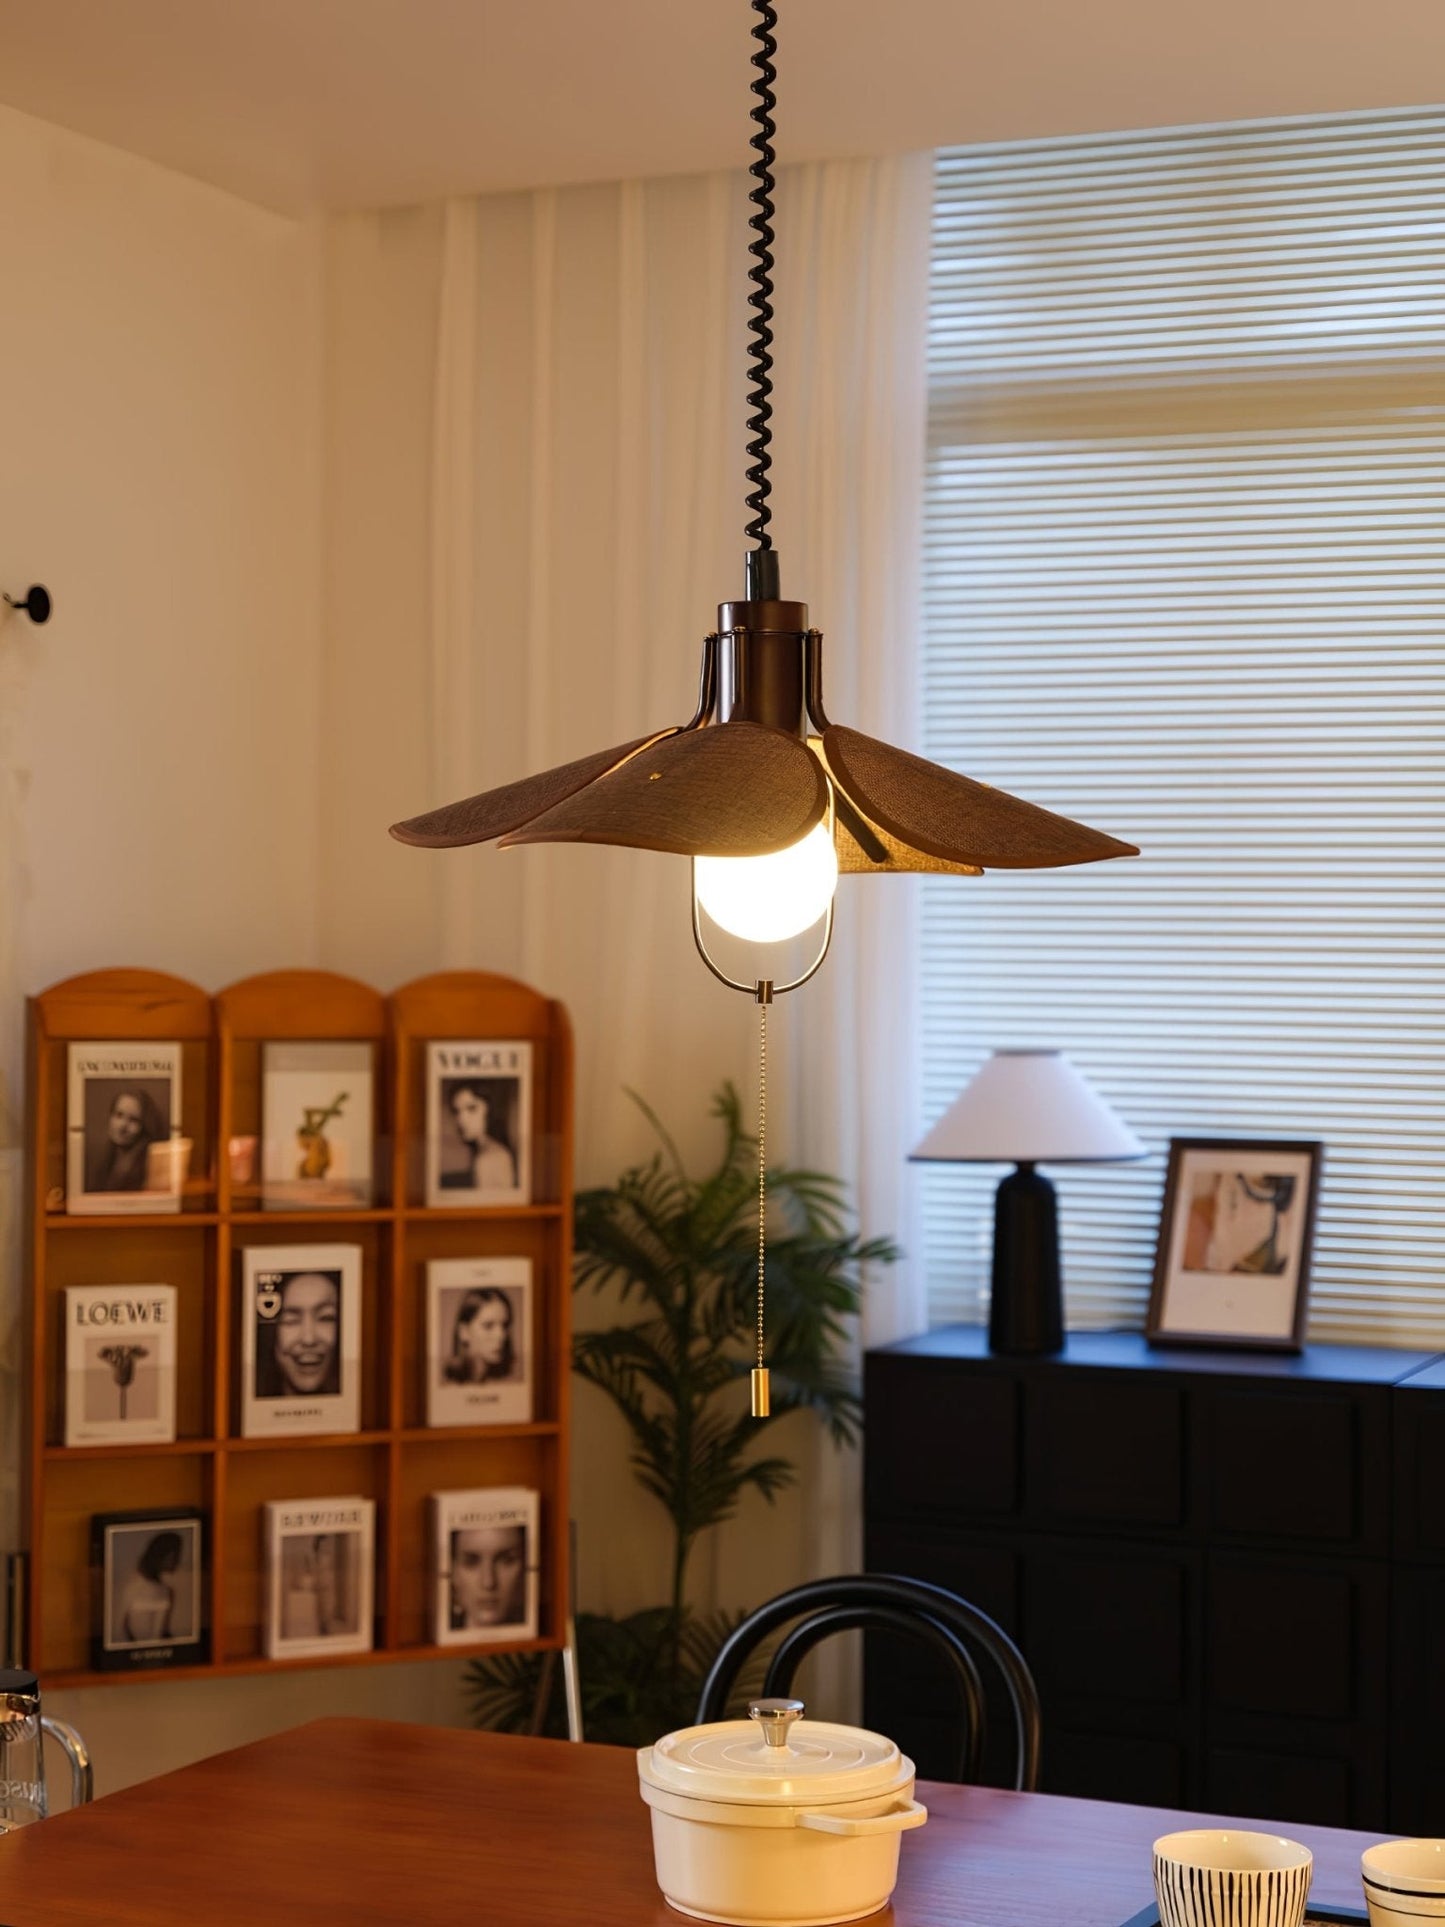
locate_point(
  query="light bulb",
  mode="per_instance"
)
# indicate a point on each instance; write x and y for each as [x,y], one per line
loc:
[765,899]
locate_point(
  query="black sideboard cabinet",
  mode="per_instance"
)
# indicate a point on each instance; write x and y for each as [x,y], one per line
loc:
[1226,1569]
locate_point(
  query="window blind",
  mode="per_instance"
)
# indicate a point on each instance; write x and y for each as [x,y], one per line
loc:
[1185,580]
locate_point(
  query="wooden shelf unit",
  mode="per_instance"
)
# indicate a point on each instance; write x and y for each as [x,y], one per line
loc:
[395,1459]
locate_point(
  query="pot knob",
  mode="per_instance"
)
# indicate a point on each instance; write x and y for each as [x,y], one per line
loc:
[775,1717]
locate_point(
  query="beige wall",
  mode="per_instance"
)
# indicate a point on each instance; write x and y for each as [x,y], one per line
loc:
[159,772]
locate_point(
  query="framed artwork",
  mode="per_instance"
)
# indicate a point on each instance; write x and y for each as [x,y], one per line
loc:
[300,1339]
[484,1564]
[316,1123]
[149,1570]
[479,1122]
[320,1555]
[1232,1266]
[479,1341]
[124,1151]
[120,1364]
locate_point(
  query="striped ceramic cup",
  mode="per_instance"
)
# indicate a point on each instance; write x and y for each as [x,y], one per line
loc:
[1221,1877]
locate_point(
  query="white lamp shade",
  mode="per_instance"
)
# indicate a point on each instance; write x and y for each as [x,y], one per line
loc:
[1028,1107]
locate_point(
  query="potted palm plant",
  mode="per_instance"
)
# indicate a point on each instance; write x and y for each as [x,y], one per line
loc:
[681,1253]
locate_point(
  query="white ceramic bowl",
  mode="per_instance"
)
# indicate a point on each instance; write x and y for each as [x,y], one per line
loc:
[1224,1877]
[1404,1881]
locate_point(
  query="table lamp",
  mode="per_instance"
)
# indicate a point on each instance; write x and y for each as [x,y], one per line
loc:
[1028,1107]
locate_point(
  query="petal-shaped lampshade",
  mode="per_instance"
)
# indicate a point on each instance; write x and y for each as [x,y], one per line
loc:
[477,819]
[952,819]
[1029,1107]
[738,789]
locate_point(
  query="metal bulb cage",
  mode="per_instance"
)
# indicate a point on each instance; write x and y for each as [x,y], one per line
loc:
[760,764]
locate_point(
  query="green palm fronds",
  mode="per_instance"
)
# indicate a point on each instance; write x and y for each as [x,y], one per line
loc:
[680,1252]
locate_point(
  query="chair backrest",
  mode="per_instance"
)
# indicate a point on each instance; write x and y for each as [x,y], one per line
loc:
[888,1602]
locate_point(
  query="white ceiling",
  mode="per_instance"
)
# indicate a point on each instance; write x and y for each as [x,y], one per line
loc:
[355,103]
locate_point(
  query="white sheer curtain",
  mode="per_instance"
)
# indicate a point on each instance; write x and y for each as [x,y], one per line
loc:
[559,376]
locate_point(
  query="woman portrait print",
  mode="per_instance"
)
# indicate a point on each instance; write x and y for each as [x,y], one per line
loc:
[146,1607]
[488,1577]
[478,1152]
[317,1590]
[298,1350]
[484,1342]
[118,1140]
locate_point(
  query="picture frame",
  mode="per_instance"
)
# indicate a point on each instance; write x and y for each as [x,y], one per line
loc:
[120,1364]
[149,1577]
[1236,1232]
[478,1122]
[300,1314]
[124,1152]
[479,1350]
[320,1560]
[317,1126]
[486,1553]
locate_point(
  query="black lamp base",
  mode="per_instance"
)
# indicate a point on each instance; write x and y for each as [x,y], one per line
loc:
[1026,1316]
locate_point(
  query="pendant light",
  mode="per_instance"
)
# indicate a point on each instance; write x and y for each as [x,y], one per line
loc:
[769,799]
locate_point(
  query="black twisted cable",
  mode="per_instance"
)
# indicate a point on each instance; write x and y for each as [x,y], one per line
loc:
[760,299]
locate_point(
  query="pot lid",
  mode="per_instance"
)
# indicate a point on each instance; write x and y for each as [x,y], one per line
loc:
[775,1757]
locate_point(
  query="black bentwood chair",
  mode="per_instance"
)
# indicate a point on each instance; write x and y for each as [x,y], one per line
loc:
[879,1602]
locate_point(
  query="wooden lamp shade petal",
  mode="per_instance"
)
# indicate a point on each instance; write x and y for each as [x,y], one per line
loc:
[734,789]
[950,819]
[477,819]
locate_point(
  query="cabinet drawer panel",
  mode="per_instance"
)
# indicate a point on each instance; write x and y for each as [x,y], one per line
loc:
[1105,1449]
[1106,1626]
[939,1441]
[1420,1485]
[1285,1465]
[1309,1787]
[1106,1766]
[985,1575]
[1294,1641]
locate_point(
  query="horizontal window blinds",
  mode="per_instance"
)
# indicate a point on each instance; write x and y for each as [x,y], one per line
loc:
[1185,579]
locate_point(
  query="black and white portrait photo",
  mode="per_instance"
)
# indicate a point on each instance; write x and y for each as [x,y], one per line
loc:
[479,1341]
[321,1586]
[300,1330]
[479,1123]
[123,1115]
[485,1545]
[298,1333]
[151,1570]
[319,1557]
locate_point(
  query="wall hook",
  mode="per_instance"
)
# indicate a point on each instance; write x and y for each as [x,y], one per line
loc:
[36,603]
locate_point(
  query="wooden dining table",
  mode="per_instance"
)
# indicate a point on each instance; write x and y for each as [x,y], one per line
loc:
[356,1823]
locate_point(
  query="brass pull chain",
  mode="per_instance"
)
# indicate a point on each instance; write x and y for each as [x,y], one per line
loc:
[761,1396]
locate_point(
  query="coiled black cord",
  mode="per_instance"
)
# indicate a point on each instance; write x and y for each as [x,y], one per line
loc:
[760,299]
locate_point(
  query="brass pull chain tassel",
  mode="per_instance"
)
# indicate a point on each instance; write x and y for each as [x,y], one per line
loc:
[762,1400]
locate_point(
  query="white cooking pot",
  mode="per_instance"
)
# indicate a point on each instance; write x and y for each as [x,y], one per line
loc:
[777,1821]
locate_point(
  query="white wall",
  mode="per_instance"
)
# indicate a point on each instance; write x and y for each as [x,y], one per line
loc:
[159,785]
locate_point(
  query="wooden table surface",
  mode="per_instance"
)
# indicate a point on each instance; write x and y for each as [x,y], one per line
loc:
[355,1823]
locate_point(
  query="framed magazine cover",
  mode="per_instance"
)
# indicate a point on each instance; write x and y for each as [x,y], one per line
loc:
[120,1364]
[479,1122]
[124,1150]
[1236,1231]
[319,1561]
[317,1126]
[479,1359]
[300,1310]
[149,1571]
[485,1554]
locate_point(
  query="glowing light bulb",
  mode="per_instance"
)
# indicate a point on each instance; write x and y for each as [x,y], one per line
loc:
[765,899]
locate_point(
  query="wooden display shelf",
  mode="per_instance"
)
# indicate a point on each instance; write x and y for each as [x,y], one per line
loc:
[62,1221]
[394,1460]
[236,1668]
